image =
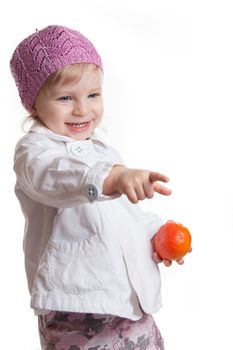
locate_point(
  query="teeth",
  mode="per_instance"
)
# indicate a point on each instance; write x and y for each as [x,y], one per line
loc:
[79,124]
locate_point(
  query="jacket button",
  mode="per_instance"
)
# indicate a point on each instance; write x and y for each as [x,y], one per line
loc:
[77,150]
[91,192]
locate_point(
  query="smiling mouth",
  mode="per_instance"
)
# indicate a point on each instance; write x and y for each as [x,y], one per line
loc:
[79,126]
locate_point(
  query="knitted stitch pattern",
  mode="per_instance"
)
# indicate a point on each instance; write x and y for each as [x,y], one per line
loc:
[43,53]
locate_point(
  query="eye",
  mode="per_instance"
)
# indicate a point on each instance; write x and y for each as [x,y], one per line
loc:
[94,95]
[64,98]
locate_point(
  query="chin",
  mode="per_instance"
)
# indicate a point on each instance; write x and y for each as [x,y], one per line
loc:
[81,137]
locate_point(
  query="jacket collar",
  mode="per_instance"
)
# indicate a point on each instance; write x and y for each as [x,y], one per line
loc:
[40,129]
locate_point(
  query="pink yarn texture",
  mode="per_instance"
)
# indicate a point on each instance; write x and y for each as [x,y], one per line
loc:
[43,53]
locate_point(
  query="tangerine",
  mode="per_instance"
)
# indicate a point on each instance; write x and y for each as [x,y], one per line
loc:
[172,241]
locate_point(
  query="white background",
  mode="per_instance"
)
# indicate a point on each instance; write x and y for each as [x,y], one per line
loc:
[168,106]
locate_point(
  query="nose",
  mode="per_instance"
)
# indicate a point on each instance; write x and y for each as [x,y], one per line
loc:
[81,108]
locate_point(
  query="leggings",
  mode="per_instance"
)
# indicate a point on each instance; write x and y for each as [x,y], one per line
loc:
[79,331]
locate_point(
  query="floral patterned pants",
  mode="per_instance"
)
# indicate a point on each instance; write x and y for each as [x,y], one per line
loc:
[76,331]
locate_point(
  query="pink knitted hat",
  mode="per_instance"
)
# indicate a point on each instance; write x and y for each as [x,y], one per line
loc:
[43,53]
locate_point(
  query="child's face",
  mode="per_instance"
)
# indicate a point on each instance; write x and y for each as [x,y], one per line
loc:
[74,109]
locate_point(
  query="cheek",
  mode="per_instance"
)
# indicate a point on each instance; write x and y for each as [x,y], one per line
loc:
[98,106]
[52,121]
[100,110]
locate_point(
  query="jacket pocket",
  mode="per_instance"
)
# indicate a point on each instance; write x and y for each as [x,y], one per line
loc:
[80,267]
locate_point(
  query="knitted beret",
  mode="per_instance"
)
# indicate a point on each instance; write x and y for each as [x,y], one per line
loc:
[43,53]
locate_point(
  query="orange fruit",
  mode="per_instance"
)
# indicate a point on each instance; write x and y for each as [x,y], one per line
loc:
[172,241]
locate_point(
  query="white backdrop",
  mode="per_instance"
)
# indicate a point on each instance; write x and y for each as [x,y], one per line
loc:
[168,105]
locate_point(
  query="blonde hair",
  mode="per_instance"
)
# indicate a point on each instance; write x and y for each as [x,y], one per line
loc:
[70,74]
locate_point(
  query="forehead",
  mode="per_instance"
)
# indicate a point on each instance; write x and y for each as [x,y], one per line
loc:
[89,79]
[73,77]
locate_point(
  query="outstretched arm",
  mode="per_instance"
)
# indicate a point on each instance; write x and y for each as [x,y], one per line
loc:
[136,184]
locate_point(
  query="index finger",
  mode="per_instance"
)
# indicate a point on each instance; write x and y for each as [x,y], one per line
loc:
[155,176]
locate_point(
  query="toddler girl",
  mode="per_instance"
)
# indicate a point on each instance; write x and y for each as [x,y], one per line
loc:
[91,275]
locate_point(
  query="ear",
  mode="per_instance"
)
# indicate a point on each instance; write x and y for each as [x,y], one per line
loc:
[33,112]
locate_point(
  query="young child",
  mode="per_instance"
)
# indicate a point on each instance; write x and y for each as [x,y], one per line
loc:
[92,276]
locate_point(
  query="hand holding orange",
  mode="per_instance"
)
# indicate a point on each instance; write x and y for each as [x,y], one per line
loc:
[172,241]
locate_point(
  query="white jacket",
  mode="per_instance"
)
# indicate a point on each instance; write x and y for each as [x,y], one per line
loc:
[84,252]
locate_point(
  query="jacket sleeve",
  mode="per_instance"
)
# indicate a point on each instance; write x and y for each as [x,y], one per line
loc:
[56,178]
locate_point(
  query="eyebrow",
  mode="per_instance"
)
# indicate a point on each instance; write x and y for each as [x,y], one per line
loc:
[67,90]
[97,88]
